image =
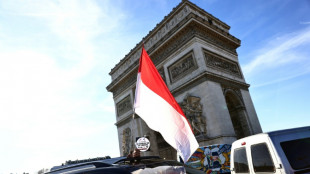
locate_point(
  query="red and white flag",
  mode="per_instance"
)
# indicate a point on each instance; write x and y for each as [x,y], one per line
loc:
[157,107]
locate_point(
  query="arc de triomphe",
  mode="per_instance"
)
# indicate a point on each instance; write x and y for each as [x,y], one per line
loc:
[197,58]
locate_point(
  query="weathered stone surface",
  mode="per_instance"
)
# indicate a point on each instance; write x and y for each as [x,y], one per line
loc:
[124,106]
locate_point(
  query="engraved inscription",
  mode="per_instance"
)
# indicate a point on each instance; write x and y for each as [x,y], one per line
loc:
[184,66]
[222,64]
[124,106]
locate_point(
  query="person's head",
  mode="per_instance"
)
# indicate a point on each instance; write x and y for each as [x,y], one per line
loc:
[136,153]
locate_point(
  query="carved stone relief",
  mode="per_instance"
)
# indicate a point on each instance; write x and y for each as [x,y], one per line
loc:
[124,106]
[193,111]
[221,63]
[162,74]
[126,144]
[177,42]
[184,66]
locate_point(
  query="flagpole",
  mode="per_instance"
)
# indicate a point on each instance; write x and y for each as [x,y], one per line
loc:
[134,133]
[132,148]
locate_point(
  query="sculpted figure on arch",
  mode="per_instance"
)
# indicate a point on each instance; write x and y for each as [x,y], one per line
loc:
[193,110]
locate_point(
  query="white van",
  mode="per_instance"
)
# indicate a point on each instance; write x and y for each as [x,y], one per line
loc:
[283,151]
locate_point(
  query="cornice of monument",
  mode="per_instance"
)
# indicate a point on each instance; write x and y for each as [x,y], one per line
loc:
[125,119]
[185,10]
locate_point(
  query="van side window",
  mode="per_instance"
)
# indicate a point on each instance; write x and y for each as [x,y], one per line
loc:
[297,152]
[261,158]
[240,161]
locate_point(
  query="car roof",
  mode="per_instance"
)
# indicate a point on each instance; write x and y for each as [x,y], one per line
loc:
[114,160]
[284,131]
[272,134]
[95,164]
[98,163]
[123,165]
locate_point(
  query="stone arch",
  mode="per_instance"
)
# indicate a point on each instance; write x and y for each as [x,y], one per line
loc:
[164,149]
[237,113]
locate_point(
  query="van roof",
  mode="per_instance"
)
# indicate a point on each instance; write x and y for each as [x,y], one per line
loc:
[284,131]
[276,133]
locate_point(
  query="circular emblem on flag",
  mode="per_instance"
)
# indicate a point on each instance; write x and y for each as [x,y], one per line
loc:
[143,144]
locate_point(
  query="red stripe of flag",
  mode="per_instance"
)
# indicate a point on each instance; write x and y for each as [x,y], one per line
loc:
[152,79]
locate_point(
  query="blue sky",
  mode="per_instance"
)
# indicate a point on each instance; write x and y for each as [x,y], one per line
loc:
[55,57]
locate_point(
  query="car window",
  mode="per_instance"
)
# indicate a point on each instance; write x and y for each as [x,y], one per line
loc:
[261,158]
[240,161]
[297,152]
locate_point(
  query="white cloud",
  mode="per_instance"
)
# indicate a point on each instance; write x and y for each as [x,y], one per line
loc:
[305,23]
[75,23]
[283,78]
[279,51]
[42,111]
[37,109]
[48,111]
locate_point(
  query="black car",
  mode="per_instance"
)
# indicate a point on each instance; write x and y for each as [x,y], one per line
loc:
[123,165]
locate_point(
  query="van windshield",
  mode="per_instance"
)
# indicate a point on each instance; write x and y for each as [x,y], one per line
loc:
[297,152]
